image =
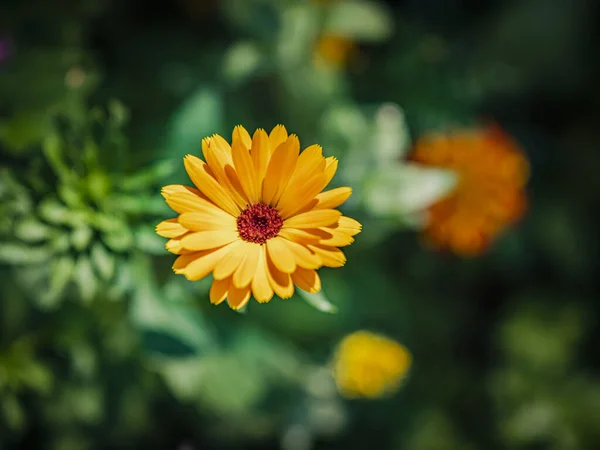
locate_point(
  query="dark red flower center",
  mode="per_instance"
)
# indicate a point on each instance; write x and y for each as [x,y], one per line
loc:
[258,223]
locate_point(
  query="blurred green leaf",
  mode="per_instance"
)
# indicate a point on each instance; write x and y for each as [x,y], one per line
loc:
[360,20]
[144,178]
[85,279]
[22,254]
[32,230]
[103,261]
[24,129]
[53,211]
[99,185]
[12,411]
[152,311]
[81,237]
[242,60]
[119,240]
[148,241]
[403,189]
[199,116]
[299,29]
[61,272]
[318,301]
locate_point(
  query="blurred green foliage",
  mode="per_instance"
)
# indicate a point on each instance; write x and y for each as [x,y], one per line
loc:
[101,346]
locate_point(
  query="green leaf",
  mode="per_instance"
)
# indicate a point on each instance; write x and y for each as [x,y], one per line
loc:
[318,301]
[61,271]
[241,61]
[37,377]
[103,261]
[61,242]
[359,20]
[53,211]
[298,31]
[148,241]
[32,230]
[17,254]
[119,114]
[12,411]
[404,189]
[81,237]
[98,185]
[149,176]
[199,116]
[70,195]
[53,150]
[85,279]
[173,317]
[24,129]
[391,136]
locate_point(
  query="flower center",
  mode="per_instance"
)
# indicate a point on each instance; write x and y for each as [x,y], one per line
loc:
[258,223]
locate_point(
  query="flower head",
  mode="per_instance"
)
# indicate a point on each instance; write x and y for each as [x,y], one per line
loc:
[257,219]
[369,365]
[492,173]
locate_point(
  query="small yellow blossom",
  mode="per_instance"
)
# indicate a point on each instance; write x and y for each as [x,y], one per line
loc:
[369,365]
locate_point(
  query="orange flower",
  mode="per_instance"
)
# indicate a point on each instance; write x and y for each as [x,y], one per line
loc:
[489,196]
[258,218]
[333,50]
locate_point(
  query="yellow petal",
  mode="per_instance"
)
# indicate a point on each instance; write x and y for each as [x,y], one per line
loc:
[280,169]
[241,134]
[245,271]
[174,246]
[262,290]
[183,198]
[219,159]
[204,263]
[313,219]
[296,197]
[339,238]
[281,255]
[208,185]
[280,282]
[230,262]
[303,256]
[331,256]
[219,144]
[307,280]
[170,228]
[305,236]
[277,137]
[204,240]
[260,154]
[244,168]
[310,162]
[216,219]
[219,290]
[333,198]
[185,260]
[331,165]
[238,298]
[349,225]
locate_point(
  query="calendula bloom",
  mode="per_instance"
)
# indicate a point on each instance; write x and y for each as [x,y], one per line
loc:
[490,193]
[369,365]
[257,219]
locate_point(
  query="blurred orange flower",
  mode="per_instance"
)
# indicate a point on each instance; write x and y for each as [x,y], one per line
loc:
[489,195]
[333,50]
[369,365]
